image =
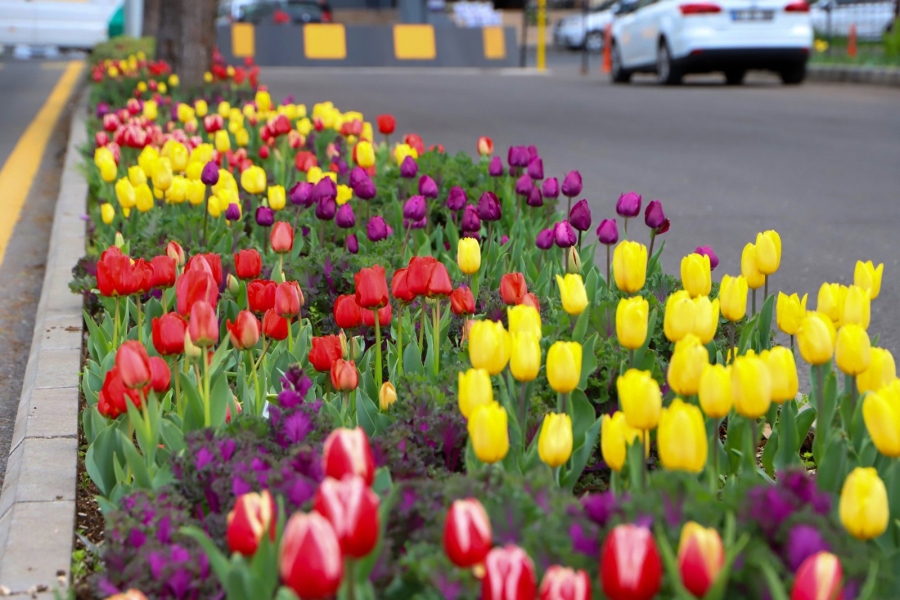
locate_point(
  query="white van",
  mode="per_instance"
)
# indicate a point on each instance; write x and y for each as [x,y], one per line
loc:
[66,24]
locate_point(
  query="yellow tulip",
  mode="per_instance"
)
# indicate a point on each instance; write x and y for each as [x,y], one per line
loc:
[864,504]
[151,110]
[222,141]
[242,137]
[816,338]
[782,373]
[226,182]
[524,319]
[196,192]
[365,154]
[525,356]
[750,268]
[639,398]
[148,161]
[630,266]
[881,414]
[831,301]
[563,366]
[468,255]
[555,442]
[263,101]
[367,132]
[852,350]
[571,290]
[314,175]
[715,391]
[768,251]
[162,178]
[163,88]
[681,438]
[751,386]
[344,194]
[276,197]
[679,317]
[696,275]
[107,213]
[631,322]
[489,346]
[177,153]
[857,307]
[253,180]
[136,175]
[882,371]
[868,277]
[706,318]
[488,432]
[108,170]
[475,389]
[224,108]
[201,108]
[193,171]
[733,297]
[103,154]
[143,198]
[789,312]
[173,80]
[401,151]
[615,437]
[178,191]
[304,126]
[125,193]
[688,361]
[215,206]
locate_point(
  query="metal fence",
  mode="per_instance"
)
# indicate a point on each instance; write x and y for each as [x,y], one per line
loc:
[870,19]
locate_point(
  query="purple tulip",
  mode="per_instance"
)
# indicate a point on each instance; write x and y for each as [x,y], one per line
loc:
[301,194]
[707,251]
[415,224]
[456,199]
[326,209]
[365,189]
[654,216]
[550,188]
[535,199]
[517,156]
[580,216]
[489,207]
[352,244]
[571,185]
[629,205]
[344,217]
[495,168]
[341,167]
[600,508]
[545,239]
[470,221]
[532,152]
[427,187]
[210,173]
[536,168]
[608,232]
[265,216]
[324,188]
[524,185]
[803,542]
[233,212]
[504,239]
[564,235]
[102,109]
[408,168]
[377,229]
[357,175]
[415,208]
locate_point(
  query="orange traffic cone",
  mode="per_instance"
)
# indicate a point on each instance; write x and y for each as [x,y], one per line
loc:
[607,48]
[851,42]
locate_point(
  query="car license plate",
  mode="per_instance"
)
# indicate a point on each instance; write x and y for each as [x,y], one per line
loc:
[752,14]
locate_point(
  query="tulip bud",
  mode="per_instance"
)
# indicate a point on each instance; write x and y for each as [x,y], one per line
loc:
[856,307]
[881,371]
[628,205]
[245,331]
[555,441]
[489,346]
[346,451]
[631,322]
[525,356]
[733,297]
[288,299]
[706,318]
[352,509]
[174,251]
[253,514]
[190,350]
[310,559]
[868,277]
[864,504]
[467,533]
[564,366]
[203,325]
[831,301]
[462,302]
[696,275]
[881,414]
[630,266]
[580,216]
[488,432]
[118,240]
[608,232]
[679,316]
[489,208]
[571,185]
[789,312]
[708,251]
[819,576]
[639,398]
[573,262]
[387,395]
[750,268]
[782,373]
[573,294]
[550,188]
[681,438]
[816,338]
[562,583]
[564,235]
[282,237]
[512,288]
[688,361]
[133,364]
[768,252]
[700,557]
[630,567]
[468,256]
[344,376]
[475,389]
[715,391]
[751,386]
[232,284]
[509,575]
[615,437]
[852,351]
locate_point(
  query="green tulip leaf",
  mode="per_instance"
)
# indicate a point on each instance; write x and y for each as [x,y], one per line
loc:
[580,456]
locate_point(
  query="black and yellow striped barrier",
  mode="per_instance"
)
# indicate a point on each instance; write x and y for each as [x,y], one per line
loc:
[335,44]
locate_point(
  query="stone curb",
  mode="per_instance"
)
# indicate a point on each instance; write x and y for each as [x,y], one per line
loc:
[887,76]
[37,503]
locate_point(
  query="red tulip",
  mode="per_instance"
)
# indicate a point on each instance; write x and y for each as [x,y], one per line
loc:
[352,509]
[288,298]
[415,140]
[386,124]
[513,288]
[346,312]
[310,560]
[347,452]
[561,583]
[116,275]
[141,279]
[371,287]
[485,146]
[203,325]
[439,285]
[282,237]
[162,272]
[462,302]
[384,317]
[213,263]
[261,293]
[244,332]
[160,375]
[112,397]
[509,575]
[819,577]
[700,557]
[134,364]
[531,300]
[168,333]
[344,376]
[195,286]
[630,568]
[248,264]
[400,286]
[175,251]
[419,273]
[253,514]
[467,533]
[274,325]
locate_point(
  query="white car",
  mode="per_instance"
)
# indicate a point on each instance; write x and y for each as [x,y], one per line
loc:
[834,17]
[574,31]
[675,37]
[68,24]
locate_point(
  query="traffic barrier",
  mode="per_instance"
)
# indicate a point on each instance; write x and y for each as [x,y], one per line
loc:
[336,44]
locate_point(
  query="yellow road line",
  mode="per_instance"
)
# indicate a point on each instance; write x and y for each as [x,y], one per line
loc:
[22,165]
[55,65]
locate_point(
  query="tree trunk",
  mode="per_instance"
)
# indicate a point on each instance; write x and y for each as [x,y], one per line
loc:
[198,38]
[168,36]
[151,18]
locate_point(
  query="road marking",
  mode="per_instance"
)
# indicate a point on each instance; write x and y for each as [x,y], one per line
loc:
[25,159]
[55,65]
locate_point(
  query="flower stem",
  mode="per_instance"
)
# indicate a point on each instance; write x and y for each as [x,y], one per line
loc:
[177,377]
[714,446]
[731,349]
[607,269]
[754,302]
[644,436]
[257,402]
[422,329]
[523,413]
[116,325]
[406,241]
[351,575]
[765,288]
[652,241]
[400,340]
[436,315]
[377,350]
[207,403]
[290,338]
[140,318]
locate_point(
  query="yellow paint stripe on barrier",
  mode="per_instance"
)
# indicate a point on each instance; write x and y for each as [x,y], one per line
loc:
[243,40]
[325,41]
[494,43]
[22,165]
[414,42]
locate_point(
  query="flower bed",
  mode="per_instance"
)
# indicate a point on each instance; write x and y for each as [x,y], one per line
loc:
[322,364]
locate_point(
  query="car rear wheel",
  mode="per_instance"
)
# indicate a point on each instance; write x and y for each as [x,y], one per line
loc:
[793,75]
[667,72]
[735,76]
[594,41]
[618,73]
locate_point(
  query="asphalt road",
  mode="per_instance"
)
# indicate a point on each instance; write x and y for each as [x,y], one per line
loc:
[818,163]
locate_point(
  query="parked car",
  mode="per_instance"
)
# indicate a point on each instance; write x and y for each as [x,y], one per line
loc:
[872,18]
[286,11]
[69,24]
[574,31]
[675,37]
